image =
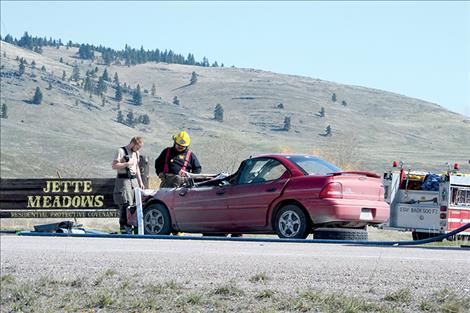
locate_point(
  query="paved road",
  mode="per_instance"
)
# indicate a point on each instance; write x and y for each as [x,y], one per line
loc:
[355,270]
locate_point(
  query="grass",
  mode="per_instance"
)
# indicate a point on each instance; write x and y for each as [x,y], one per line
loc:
[228,290]
[7,279]
[402,296]
[50,294]
[259,278]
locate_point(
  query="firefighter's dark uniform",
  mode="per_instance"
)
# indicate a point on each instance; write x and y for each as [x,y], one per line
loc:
[171,162]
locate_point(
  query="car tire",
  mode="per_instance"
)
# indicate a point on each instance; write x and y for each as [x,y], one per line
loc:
[291,222]
[157,220]
[341,233]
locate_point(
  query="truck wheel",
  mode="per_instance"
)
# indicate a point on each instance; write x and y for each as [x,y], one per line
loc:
[291,222]
[157,220]
[341,233]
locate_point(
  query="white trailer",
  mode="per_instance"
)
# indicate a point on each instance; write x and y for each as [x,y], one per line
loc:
[427,213]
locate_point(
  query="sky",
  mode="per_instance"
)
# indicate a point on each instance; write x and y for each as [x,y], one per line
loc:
[415,48]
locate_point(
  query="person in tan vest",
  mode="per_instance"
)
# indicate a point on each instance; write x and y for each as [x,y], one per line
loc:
[128,178]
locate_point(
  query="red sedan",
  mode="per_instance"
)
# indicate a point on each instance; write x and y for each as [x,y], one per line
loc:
[290,195]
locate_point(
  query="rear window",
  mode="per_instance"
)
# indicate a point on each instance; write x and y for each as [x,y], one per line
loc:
[311,165]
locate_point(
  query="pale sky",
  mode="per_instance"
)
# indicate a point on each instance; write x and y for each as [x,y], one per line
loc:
[419,49]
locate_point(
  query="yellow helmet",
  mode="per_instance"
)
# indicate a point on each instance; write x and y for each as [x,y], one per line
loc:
[182,139]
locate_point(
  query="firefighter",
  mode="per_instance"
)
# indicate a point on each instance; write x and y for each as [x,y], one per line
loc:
[128,178]
[172,161]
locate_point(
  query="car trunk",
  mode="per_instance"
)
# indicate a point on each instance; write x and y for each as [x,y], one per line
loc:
[360,185]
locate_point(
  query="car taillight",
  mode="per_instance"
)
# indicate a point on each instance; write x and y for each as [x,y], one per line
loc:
[332,190]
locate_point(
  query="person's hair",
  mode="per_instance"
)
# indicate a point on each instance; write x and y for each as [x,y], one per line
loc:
[137,140]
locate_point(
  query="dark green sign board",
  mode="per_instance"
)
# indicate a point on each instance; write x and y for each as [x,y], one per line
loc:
[61,198]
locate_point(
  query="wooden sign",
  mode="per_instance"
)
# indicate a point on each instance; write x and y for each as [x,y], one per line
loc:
[57,198]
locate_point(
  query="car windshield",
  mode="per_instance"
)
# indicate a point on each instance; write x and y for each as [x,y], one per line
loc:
[311,165]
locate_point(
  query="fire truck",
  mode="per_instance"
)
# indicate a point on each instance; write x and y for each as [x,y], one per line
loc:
[427,204]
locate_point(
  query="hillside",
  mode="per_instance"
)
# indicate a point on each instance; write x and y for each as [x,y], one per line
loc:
[77,136]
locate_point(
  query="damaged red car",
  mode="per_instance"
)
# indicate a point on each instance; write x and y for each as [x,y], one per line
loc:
[288,195]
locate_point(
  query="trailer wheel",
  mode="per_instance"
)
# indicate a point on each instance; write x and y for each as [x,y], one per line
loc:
[157,220]
[341,233]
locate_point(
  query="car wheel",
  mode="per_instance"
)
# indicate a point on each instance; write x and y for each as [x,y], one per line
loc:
[291,222]
[157,220]
[340,234]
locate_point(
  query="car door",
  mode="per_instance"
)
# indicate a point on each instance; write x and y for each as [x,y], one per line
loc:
[202,209]
[260,181]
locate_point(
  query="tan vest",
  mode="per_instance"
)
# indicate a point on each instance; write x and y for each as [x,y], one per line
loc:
[119,156]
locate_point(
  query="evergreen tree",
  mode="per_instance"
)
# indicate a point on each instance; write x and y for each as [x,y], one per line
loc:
[193,78]
[118,94]
[101,88]
[130,119]
[219,113]
[33,64]
[37,98]
[75,73]
[61,60]
[4,112]
[344,103]
[50,86]
[176,101]
[144,119]
[88,85]
[154,90]
[64,75]
[333,97]
[86,52]
[103,100]
[286,123]
[120,117]
[21,68]
[43,68]
[321,113]
[107,57]
[328,130]
[105,75]
[116,79]
[137,96]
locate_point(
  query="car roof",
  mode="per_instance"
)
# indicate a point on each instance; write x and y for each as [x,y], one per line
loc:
[281,155]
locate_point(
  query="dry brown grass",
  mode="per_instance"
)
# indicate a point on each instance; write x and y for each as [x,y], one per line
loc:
[83,294]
